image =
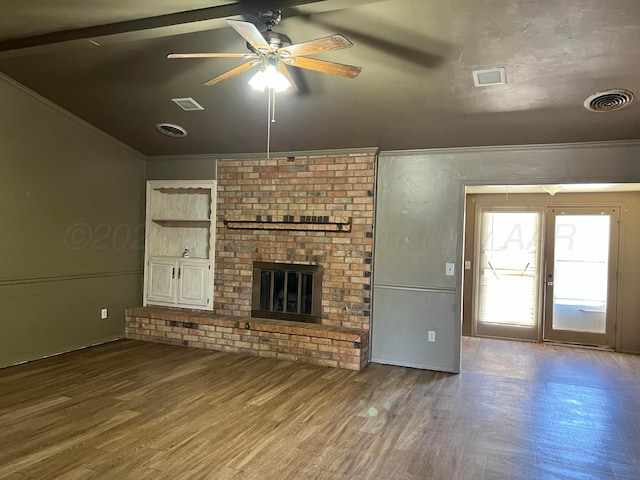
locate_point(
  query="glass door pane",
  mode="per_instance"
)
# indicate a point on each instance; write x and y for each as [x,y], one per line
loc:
[581,276]
[507,300]
[581,262]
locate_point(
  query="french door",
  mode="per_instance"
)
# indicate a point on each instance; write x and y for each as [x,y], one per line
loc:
[581,275]
[546,274]
[508,276]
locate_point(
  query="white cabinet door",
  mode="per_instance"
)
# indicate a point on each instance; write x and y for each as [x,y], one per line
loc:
[193,282]
[161,282]
[183,283]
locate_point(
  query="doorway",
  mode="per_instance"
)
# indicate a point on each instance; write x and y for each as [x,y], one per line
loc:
[545,272]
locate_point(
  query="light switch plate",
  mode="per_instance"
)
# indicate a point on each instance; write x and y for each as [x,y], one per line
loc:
[450,269]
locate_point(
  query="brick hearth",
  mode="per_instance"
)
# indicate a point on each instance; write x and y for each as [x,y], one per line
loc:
[310,343]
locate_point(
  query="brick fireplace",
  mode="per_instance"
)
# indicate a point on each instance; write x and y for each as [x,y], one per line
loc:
[304,210]
[308,210]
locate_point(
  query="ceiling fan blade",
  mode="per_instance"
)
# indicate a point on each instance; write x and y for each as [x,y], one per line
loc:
[282,68]
[253,18]
[251,34]
[206,55]
[231,73]
[319,45]
[397,49]
[349,71]
[429,54]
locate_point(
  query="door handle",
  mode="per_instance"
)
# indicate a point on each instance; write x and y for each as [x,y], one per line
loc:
[550,284]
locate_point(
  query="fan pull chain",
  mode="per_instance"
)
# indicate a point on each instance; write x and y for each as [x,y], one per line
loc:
[271,116]
[273,109]
[269,122]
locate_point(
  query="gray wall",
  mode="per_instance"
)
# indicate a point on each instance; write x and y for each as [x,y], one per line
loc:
[71,229]
[420,227]
[191,167]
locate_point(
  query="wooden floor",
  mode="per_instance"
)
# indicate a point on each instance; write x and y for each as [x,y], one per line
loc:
[149,411]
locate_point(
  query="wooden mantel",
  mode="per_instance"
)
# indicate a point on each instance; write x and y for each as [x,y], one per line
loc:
[321,223]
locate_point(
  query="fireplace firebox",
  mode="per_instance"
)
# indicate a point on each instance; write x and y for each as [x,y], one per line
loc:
[286,291]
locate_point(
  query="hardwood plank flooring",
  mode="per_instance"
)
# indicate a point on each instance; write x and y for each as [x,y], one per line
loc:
[139,410]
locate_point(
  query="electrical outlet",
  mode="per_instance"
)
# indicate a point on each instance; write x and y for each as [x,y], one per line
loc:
[432,336]
[104,314]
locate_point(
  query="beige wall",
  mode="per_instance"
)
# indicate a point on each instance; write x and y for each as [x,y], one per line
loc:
[628,325]
[71,229]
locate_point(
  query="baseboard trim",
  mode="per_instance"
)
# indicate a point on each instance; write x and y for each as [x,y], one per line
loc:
[101,342]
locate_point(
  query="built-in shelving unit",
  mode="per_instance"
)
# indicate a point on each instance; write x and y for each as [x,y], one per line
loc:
[180,244]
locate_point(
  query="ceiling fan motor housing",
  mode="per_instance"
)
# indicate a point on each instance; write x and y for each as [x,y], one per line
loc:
[274,39]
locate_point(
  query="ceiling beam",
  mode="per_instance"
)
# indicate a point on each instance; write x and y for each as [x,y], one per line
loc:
[158,26]
[142,24]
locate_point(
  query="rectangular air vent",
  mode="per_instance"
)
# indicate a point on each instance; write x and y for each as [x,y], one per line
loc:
[489,76]
[188,104]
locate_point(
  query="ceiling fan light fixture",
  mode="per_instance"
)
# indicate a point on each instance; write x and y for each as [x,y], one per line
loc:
[270,78]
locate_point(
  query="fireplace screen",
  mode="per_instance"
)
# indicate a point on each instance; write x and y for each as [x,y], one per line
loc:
[287,291]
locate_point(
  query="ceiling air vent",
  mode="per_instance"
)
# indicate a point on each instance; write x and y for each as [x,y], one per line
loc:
[187,104]
[490,76]
[171,130]
[608,101]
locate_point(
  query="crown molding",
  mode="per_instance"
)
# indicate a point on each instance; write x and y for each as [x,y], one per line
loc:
[298,153]
[512,148]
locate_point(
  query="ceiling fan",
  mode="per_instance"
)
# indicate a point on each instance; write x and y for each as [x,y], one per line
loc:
[272,52]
